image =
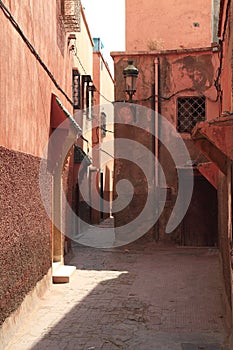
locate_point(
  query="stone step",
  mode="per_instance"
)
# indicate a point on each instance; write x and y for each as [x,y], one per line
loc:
[56,265]
[63,273]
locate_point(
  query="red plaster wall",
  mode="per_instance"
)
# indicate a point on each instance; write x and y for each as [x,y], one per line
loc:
[96,75]
[96,138]
[225,182]
[25,100]
[104,84]
[170,24]
[178,72]
[223,226]
[26,89]
[226,79]
[68,184]
[24,229]
[179,76]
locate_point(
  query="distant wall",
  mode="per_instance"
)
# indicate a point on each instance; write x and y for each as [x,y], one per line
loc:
[171,24]
[181,74]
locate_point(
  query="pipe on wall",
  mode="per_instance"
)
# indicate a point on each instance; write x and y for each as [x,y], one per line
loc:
[156,104]
[156,144]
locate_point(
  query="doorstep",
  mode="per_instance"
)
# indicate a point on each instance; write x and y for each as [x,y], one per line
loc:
[62,273]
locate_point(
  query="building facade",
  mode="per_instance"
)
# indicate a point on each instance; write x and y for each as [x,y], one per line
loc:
[103,130]
[47,97]
[92,178]
[178,82]
[169,25]
[214,139]
[185,75]
[33,70]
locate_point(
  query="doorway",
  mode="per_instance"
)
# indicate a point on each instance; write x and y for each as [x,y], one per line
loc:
[200,224]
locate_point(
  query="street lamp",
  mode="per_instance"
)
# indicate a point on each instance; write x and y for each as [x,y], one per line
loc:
[130,74]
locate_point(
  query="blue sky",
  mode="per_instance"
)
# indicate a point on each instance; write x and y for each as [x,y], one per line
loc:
[106,19]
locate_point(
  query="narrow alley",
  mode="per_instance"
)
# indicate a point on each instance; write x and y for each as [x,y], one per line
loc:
[141,297]
[116,175]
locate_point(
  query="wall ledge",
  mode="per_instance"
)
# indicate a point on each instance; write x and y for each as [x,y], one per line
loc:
[165,52]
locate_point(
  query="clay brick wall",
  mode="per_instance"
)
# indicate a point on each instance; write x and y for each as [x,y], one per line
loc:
[24,229]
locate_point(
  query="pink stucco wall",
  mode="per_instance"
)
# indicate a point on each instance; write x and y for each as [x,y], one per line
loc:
[25,87]
[25,99]
[215,141]
[182,73]
[104,84]
[170,24]
[226,57]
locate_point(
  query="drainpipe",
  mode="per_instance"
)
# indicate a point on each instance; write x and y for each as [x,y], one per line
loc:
[101,194]
[156,145]
[212,21]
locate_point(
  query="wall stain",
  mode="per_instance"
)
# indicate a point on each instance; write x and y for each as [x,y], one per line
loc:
[199,69]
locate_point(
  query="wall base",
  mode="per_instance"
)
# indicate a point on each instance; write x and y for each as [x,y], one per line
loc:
[18,317]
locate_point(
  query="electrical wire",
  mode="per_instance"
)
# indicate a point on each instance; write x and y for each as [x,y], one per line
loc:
[106,130]
[166,98]
[32,49]
[38,58]
[79,60]
[221,42]
[106,99]
[85,72]
[102,150]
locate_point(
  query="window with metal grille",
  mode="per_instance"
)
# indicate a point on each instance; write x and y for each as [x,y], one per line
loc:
[103,124]
[87,94]
[191,110]
[76,89]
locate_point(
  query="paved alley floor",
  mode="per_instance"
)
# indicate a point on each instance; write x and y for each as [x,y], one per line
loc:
[140,298]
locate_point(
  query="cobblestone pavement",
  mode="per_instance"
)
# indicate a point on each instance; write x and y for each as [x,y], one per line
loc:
[139,298]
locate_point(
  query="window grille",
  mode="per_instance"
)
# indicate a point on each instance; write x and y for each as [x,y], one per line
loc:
[103,124]
[76,89]
[191,110]
[87,96]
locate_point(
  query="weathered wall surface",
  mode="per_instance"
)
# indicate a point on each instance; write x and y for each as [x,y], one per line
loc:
[25,87]
[171,24]
[24,229]
[125,127]
[84,48]
[226,57]
[225,181]
[104,84]
[223,225]
[26,91]
[181,74]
